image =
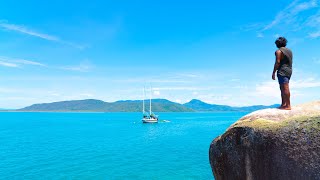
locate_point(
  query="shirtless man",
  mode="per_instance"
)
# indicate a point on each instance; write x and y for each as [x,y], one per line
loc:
[283,67]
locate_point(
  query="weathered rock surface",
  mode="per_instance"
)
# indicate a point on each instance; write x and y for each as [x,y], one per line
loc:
[270,144]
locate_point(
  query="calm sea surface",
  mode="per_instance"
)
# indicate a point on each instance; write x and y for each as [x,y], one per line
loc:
[108,145]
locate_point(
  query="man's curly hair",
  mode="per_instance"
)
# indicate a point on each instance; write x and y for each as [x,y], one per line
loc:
[281,42]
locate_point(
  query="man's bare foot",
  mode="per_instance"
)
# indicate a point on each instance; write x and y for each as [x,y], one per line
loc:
[281,106]
[285,108]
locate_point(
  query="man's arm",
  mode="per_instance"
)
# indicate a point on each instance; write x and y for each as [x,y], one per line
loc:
[277,63]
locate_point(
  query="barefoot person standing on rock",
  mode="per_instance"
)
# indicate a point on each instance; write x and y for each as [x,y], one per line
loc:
[283,67]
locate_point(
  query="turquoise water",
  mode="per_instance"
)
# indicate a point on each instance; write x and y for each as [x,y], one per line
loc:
[108,145]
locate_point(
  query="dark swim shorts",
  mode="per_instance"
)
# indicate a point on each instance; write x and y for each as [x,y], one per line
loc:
[283,79]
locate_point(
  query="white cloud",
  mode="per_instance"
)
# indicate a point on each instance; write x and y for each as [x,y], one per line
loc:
[251,27]
[27,62]
[288,15]
[186,88]
[84,66]
[213,98]
[175,88]
[178,101]
[55,94]
[269,89]
[188,75]
[306,83]
[268,92]
[80,68]
[292,19]
[9,90]
[240,87]
[13,62]
[7,64]
[280,16]
[157,93]
[151,80]
[305,6]
[167,81]
[27,31]
[235,80]
[87,95]
[313,20]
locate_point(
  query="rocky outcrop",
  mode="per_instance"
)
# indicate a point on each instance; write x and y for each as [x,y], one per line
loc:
[270,144]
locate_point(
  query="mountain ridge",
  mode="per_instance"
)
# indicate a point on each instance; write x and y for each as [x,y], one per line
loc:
[158,105]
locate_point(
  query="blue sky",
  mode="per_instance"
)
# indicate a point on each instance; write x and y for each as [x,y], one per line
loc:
[215,51]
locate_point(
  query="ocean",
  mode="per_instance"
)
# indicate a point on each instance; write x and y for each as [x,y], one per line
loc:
[108,145]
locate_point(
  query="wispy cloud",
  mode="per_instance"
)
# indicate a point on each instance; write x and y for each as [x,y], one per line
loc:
[188,75]
[177,88]
[305,6]
[151,80]
[27,62]
[268,89]
[87,95]
[306,83]
[7,64]
[82,67]
[24,30]
[156,93]
[15,63]
[314,20]
[290,16]
[235,80]
[281,16]
[186,88]
[251,27]
[30,32]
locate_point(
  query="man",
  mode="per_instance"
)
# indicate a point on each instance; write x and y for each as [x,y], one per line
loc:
[283,67]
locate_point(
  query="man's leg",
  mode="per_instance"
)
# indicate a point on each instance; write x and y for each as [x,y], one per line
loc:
[286,91]
[283,102]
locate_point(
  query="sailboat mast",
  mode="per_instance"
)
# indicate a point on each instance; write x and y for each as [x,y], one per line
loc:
[144,95]
[150,98]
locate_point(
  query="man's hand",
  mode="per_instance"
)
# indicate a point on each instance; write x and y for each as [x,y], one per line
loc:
[273,76]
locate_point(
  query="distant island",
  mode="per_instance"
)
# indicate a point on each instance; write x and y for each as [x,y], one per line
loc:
[158,105]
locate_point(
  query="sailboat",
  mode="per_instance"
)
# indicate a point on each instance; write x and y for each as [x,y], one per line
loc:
[148,117]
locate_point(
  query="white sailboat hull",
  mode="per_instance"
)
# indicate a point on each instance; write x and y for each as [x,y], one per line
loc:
[148,120]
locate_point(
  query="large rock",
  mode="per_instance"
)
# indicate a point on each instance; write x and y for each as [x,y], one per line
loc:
[270,144]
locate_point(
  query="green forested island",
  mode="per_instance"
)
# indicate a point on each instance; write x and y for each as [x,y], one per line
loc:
[158,105]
